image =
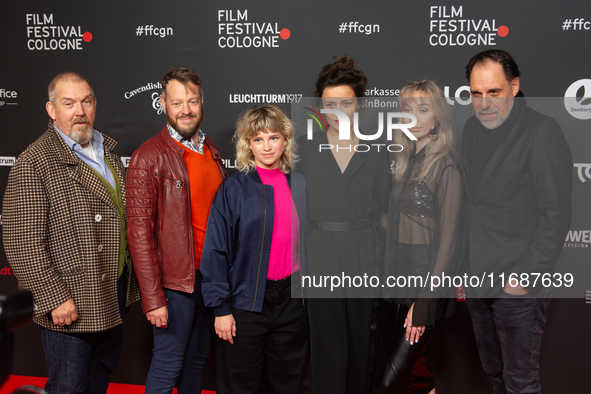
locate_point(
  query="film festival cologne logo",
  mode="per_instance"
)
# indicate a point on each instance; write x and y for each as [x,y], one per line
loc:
[43,34]
[452,26]
[237,30]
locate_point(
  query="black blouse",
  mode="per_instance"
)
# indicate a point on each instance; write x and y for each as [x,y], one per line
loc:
[360,193]
[423,235]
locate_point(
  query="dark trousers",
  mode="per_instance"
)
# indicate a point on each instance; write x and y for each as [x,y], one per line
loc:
[181,350]
[508,333]
[269,350]
[407,368]
[340,334]
[81,363]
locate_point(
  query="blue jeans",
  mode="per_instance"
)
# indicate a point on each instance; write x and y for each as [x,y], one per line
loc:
[508,333]
[81,363]
[181,350]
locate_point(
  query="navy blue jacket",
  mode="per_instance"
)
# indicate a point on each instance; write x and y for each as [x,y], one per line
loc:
[237,245]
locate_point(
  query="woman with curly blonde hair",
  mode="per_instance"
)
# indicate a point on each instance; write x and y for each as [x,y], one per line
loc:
[257,119]
[252,256]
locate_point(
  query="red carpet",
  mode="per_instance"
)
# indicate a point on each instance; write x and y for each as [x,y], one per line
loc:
[15,381]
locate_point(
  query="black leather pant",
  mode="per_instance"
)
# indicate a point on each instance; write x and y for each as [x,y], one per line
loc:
[402,373]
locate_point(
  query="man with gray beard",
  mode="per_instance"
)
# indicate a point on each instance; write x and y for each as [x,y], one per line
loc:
[65,239]
[517,212]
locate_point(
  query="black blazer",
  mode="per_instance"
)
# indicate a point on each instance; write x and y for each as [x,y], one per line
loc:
[516,219]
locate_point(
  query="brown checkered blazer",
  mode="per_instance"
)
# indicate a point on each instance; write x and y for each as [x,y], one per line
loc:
[61,234]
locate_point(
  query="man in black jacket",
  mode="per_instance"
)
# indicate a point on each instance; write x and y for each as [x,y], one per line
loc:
[516,215]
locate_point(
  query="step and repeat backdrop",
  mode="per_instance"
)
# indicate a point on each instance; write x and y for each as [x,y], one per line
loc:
[255,52]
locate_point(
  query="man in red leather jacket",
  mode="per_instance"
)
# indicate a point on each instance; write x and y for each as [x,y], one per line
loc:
[172,180]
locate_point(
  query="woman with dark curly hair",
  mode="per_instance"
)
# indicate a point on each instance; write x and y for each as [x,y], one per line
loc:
[347,194]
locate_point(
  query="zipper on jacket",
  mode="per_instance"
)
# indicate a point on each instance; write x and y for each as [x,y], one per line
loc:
[300,260]
[178,183]
[299,246]
[262,243]
[302,286]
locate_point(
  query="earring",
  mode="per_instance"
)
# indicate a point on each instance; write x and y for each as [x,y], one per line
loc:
[434,129]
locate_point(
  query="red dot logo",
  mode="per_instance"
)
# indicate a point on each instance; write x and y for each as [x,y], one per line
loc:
[502,31]
[87,36]
[284,33]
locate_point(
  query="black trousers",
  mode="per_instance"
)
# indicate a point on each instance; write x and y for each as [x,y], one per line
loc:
[269,350]
[340,334]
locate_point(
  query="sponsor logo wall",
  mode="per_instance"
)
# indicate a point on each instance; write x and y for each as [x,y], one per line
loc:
[257,52]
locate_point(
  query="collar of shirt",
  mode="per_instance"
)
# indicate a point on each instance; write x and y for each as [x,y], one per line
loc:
[98,162]
[188,142]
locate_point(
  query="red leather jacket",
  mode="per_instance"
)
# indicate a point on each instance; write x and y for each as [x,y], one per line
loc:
[159,231]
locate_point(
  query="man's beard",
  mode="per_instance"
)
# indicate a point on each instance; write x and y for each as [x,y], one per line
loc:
[493,123]
[82,134]
[187,131]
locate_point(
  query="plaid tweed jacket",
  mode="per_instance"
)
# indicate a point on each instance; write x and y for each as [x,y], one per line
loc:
[61,234]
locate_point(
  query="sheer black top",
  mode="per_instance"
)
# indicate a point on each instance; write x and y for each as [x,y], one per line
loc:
[422,236]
